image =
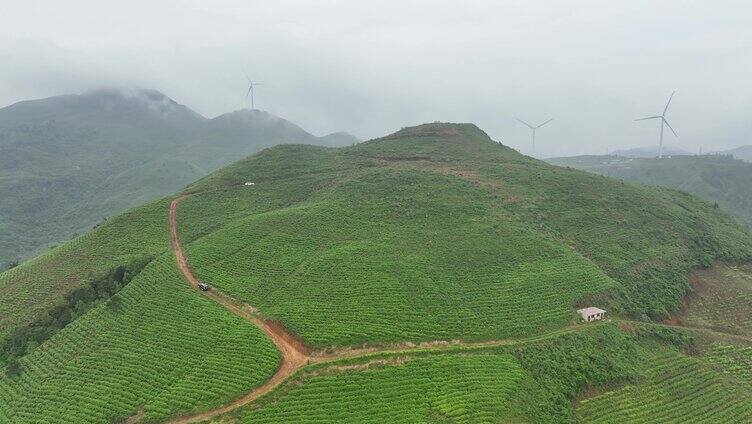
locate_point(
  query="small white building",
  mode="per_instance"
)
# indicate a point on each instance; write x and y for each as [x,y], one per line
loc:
[248,183]
[591,314]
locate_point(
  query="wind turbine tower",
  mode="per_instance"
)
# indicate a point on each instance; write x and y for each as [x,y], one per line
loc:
[251,84]
[662,117]
[533,128]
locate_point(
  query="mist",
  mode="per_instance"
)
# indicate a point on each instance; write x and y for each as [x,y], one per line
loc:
[369,68]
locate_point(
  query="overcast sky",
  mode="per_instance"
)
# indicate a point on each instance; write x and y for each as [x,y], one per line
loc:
[371,67]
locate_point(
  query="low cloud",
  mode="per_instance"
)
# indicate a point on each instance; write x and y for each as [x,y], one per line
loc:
[370,68]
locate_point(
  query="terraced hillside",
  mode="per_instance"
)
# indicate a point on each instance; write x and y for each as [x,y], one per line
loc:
[453,384]
[432,270]
[163,350]
[470,239]
[675,389]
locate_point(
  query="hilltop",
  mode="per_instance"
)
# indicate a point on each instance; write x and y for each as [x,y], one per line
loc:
[67,162]
[721,180]
[429,275]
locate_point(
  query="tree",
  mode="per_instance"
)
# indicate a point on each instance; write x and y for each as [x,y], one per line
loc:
[115,303]
[14,368]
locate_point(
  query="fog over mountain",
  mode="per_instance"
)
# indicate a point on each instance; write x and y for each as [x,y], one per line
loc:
[67,162]
[368,68]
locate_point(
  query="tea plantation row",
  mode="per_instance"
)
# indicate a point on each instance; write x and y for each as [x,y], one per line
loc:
[395,256]
[165,349]
[676,389]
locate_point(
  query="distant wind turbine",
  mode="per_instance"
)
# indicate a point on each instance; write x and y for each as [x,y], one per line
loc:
[534,128]
[251,84]
[662,117]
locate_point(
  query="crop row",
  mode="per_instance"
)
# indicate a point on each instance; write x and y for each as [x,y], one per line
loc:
[166,349]
[41,283]
[355,267]
[676,389]
[362,291]
[733,361]
[461,389]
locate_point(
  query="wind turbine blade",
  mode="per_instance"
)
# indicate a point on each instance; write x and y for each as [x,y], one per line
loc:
[250,88]
[545,123]
[669,126]
[668,102]
[649,117]
[529,126]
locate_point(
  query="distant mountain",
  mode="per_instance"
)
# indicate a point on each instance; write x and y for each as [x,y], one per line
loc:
[743,153]
[721,180]
[650,152]
[339,139]
[67,162]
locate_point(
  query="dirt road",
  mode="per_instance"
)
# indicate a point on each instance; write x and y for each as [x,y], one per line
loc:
[293,353]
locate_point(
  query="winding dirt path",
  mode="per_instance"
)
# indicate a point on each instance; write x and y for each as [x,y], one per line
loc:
[293,353]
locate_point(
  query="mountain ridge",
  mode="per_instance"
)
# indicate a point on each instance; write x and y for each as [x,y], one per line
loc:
[68,161]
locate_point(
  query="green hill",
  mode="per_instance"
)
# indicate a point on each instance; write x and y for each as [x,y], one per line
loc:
[421,242]
[721,180]
[67,162]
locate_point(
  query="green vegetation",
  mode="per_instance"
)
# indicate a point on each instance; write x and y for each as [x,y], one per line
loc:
[37,286]
[599,374]
[482,277]
[742,152]
[675,389]
[165,349]
[468,238]
[720,180]
[458,388]
[529,382]
[735,362]
[721,299]
[67,162]
[79,301]
[432,233]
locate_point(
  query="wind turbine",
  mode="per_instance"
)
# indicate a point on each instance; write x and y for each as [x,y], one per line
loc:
[534,128]
[662,117]
[251,84]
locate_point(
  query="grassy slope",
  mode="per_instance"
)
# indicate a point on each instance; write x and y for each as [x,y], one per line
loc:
[355,270]
[599,374]
[453,388]
[530,382]
[166,350]
[717,179]
[673,388]
[468,238]
[721,299]
[32,288]
[121,359]
[487,212]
